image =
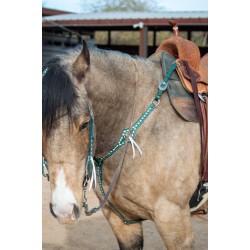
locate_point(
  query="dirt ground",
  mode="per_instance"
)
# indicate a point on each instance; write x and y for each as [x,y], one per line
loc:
[94,232]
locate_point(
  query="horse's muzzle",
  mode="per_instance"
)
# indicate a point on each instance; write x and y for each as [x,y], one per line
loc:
[66,218]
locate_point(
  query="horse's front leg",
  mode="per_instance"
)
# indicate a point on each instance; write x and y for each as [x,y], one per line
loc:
[174,225]
[129,237]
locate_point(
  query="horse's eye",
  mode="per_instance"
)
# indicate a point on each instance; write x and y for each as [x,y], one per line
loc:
[83,126]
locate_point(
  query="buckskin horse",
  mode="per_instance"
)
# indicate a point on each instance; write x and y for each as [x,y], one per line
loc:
[104,111]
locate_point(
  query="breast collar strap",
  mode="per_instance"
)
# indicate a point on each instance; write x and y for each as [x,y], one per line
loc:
[127,136]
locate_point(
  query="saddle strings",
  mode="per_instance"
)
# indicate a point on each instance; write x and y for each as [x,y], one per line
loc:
[134,144]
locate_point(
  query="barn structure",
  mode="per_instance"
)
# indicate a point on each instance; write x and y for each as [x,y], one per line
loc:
[143,30]
[52,12]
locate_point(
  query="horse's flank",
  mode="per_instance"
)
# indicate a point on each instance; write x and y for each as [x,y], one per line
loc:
[159,184]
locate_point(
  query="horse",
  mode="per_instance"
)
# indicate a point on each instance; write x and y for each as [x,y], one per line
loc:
[89,97]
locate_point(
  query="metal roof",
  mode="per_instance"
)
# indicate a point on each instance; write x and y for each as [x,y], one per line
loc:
[129,15]
[52,12]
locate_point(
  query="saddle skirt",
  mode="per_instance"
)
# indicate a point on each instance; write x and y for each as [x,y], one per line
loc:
[181,100]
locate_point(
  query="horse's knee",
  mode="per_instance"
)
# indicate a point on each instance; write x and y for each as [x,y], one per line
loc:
[129,237]
[188,242]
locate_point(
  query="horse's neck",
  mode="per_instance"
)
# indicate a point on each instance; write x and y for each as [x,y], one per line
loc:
[112,91]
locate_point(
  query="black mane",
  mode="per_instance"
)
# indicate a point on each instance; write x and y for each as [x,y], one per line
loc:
[58,93]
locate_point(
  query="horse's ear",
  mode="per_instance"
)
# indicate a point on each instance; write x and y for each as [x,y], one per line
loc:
[81,65]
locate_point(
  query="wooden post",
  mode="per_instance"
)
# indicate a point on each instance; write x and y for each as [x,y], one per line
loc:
[109,38]
[154,39]
[143,49]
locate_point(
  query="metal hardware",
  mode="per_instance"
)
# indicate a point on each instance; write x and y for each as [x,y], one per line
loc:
[177,63]
[85,200]
[202,98]
[163,85]
[157,104]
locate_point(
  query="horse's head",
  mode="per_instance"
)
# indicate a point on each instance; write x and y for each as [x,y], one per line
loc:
[66,116]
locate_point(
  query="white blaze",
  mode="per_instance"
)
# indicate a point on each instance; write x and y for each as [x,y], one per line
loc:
[62,196]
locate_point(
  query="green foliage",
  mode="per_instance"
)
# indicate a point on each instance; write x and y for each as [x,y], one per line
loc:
[125,5]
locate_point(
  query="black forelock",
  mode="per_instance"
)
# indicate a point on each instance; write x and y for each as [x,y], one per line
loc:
[58,93]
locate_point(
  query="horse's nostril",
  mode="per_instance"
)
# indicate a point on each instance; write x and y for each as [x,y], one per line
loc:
[72,214]
[76,211]
[51,210]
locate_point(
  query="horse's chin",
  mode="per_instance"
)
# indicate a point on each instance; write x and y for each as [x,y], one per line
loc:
[69,218]
[66,220]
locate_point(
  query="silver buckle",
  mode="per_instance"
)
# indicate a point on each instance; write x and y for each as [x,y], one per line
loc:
[163,85]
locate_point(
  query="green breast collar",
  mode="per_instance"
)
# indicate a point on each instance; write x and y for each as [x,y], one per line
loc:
[99,161]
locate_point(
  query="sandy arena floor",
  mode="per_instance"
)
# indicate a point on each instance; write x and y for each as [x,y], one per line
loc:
[94,233]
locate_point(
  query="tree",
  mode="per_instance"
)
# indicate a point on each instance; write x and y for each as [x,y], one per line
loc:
[118,37]
[125,5]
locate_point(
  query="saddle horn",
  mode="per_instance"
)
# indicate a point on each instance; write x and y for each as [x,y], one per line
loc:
[175,27]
